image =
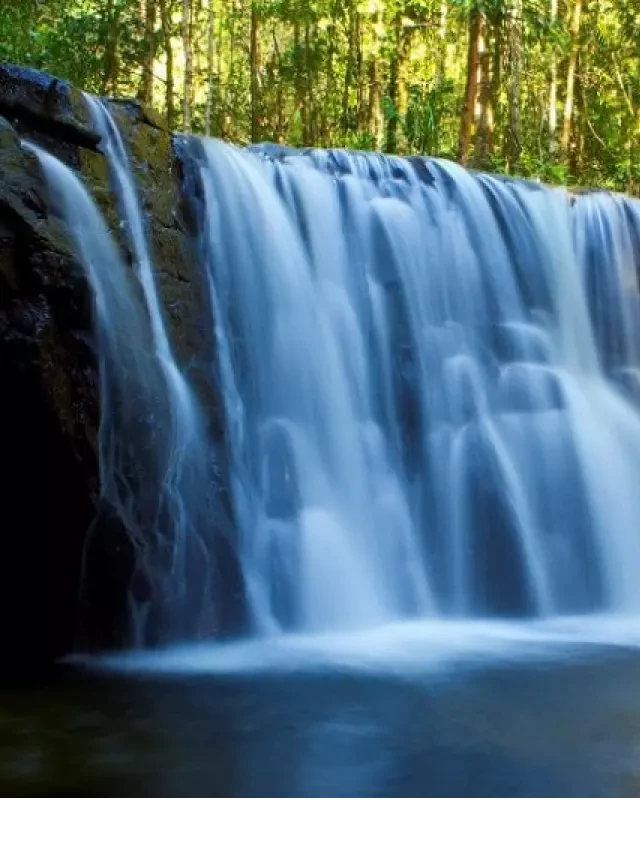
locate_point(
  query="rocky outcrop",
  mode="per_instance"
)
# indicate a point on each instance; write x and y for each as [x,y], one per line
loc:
[48,371]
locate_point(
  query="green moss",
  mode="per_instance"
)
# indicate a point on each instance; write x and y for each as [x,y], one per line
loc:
[94,168]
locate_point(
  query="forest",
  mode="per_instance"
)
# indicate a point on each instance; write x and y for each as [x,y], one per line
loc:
[539,88]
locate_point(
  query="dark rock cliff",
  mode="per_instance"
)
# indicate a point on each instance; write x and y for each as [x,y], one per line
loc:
[48,374]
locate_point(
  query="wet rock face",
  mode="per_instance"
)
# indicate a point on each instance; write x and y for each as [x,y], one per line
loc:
[41,103]
[48,370]
[49,416]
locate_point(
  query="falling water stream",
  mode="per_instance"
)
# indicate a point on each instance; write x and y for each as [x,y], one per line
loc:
[431,382]
[156,468]
[422,483]
[432,391]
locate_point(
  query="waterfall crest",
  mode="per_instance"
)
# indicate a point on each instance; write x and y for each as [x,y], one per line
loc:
[431,382]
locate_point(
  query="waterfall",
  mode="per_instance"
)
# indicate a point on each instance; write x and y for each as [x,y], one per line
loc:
[157,471]
[432,387]
[431,382]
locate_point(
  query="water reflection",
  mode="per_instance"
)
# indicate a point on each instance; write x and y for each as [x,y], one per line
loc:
[569,728]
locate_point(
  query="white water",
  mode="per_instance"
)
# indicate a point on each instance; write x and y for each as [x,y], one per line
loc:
[156,465]
[425,416]
[327,536]
[431,384]
[403,650]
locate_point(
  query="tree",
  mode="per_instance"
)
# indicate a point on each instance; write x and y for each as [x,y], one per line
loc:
[211,50]
[534,87]
[484,108]
[477,23]
[574,35]
[145,92]
[111,37]
[514,77]
[553,81]
[187,91]
[166,21]
[254,72]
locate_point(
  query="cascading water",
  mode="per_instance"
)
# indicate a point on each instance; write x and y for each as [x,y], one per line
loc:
[327,534]
[157,470]
[430,384]
[431,381]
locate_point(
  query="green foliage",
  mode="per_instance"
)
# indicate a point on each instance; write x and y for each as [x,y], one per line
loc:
[361,73]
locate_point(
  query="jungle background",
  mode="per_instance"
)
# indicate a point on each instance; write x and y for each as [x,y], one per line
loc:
[540,88]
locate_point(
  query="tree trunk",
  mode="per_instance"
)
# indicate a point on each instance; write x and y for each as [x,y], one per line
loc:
[299,84]
[574,34]
[397,91]
[145,92]
[513,145]
[633,183]
[441,69]
[577,135]
[254,61]
[326,123]
[496,73]
[375,119]
[188,66]
[476,28]
[406,39]
[349,70]
[308,69]
[165,22]
[362,100]
[111,38]
[280,120]
[553,86]
[211,51]
[484,132]
[226,128]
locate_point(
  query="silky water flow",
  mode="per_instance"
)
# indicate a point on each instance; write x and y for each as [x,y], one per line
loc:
[431,385]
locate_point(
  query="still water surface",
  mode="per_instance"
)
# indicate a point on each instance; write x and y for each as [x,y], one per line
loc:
[507,715]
